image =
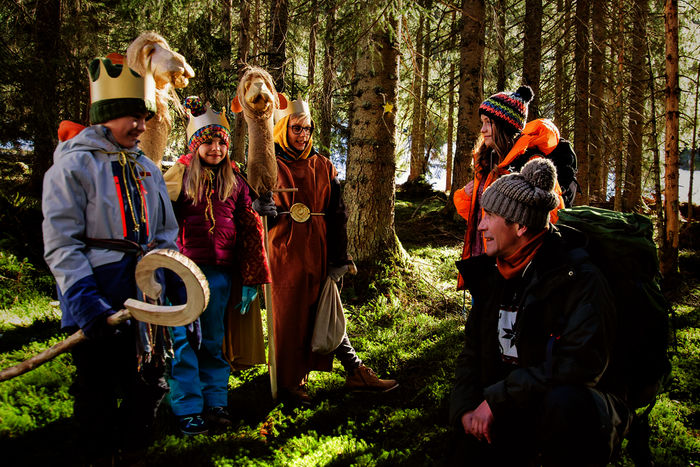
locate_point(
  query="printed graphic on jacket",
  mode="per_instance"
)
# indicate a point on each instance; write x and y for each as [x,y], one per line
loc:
[506,334]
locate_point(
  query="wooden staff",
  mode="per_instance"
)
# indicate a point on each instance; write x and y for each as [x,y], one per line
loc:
[179,315]
[267,290]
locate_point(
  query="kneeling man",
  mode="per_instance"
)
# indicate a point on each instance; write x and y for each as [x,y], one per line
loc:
[533,382]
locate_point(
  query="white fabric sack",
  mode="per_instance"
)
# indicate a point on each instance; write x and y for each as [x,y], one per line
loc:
[329,327]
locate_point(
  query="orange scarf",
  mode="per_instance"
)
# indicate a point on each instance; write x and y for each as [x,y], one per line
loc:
[514,264]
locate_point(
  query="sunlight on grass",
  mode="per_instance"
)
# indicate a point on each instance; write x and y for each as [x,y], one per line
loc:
[670,438]
[37,398]
[26,312]
[314,450]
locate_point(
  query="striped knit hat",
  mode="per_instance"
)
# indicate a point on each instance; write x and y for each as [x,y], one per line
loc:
[510,109]
[215,125]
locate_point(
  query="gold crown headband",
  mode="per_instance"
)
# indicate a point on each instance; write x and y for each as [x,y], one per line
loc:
[294,107]
[210,117]
[126,85]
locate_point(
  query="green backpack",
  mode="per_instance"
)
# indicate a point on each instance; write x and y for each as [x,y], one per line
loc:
[622,246]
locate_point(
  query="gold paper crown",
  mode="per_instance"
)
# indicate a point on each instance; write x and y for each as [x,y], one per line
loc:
[294,107]
[126,85]
[210,117]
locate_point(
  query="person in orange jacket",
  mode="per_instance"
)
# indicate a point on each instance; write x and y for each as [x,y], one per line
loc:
[504,138]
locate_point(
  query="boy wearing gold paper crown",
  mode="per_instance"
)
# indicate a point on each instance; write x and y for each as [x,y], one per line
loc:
[222,234]
[104,202]
[304,251]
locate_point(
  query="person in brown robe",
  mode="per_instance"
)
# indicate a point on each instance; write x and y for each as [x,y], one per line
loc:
[303,253]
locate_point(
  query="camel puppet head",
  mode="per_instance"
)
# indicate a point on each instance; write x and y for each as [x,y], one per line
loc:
[171,71]
[257,99]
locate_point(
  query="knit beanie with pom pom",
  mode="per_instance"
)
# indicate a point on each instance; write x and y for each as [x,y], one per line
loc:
[208,129]
[525,198]
[508,108]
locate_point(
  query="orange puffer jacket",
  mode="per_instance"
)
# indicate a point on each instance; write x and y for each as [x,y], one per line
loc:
[541,134]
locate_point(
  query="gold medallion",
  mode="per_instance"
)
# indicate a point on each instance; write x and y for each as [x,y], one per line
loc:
[300,212]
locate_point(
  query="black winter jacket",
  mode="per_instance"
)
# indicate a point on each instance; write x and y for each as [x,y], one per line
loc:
[564,329]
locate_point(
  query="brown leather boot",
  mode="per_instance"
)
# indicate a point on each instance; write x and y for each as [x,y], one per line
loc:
[298,394]
[363,378]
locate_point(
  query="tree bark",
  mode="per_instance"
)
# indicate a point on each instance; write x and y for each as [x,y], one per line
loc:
[450,128]
[581,127]
[501,44]
[226,7]
[597,155]
[632,196]
[424,93]
[312,43]
[417,165]
[619,137]
[693,148]
[559,76]
[656,169]
[471,66]
[239,129]
[44,109]
[326,117]
[669,251]
[532,53]
[370,189]
[256,32]
[279,17]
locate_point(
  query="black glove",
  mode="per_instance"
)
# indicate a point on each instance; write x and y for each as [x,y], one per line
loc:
[337,272]
[98,328]
[265,206]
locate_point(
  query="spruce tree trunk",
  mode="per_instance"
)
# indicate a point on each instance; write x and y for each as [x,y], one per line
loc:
[226,7]
[256,32]
[669,251]
[581,126]
[312,43]
[532,53]
[502,7]
[559,76]
[619,136]
[44,123]
[370,189]
[239,129]
[450,128]
[656,169]
[632,197]
[471,64]
[597,154]
[425,151]
[693,148]
[326,117]
[417,166]
[279,17]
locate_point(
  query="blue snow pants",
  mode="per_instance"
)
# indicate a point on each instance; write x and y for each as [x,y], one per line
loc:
[199,378]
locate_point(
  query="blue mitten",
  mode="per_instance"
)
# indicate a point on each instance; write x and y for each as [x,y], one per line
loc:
[248,294]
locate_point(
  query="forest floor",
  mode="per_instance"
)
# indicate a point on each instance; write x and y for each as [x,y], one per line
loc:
[406,323]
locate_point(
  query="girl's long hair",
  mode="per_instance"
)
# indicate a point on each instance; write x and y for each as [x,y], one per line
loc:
[196,182]
[488,158]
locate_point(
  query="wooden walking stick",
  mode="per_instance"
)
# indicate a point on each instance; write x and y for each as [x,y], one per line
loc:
[179,315]
[267,290]
[257,98]
[271,354]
